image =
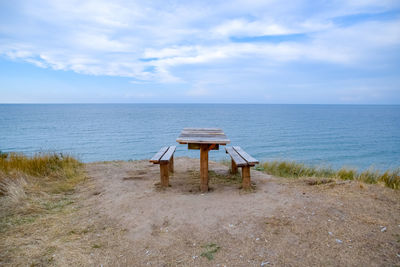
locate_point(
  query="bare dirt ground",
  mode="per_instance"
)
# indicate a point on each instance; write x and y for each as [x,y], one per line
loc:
[282,222]
[120,217]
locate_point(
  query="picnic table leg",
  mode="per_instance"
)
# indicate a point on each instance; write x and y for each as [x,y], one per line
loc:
[234,168]
[171,164]
[246,177]
[164,176]
[204,168]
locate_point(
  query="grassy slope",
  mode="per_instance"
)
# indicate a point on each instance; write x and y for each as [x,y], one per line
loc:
[35,196]
[290,169]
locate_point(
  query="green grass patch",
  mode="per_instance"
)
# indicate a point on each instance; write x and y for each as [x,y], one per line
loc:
[15,220]
[210,250]
[57,205]
[291,169]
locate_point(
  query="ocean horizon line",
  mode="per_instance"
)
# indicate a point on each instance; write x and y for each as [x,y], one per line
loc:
[179,103]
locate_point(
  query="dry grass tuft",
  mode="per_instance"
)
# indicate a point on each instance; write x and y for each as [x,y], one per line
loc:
[45,172]
[291,169]
[51,165]
[33,192]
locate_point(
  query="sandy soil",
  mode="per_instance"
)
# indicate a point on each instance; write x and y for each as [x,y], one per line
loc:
[281,222]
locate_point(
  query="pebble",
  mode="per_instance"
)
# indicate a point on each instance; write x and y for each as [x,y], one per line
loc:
[257,239]
[339,241]
[230,225]
[264,263]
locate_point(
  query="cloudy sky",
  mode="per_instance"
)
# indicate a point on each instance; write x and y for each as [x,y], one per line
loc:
[252,51]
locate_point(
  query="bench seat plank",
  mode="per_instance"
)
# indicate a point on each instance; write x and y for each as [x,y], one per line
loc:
[167,156]
[156,158]
[240,162]
[250,160]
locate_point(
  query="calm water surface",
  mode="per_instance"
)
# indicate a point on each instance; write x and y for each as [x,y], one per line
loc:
[352,135]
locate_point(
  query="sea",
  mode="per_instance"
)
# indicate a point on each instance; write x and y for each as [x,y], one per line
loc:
[356,136]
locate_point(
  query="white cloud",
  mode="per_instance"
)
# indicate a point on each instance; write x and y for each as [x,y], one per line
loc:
[242,27]
[115,38]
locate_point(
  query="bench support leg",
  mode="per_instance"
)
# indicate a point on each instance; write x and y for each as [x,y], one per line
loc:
[171,164]
[204,168]
[234,168]
[246,177]
[164,176]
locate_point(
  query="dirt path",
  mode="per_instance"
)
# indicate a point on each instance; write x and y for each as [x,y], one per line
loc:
[282,222]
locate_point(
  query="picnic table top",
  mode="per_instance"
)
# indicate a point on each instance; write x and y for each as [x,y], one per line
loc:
[203,136]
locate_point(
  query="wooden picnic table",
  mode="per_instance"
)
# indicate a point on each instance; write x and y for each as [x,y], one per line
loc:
[205,139]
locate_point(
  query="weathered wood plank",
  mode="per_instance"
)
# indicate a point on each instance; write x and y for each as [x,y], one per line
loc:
[234,168]
[240,162]
[204,168]
[203,141]
[246,177]
[250,160]
[220,135]
[199,138]
[202,136]
[194,146]
[164,175]
[203,129]
[156,158]
[171,164]
[197,146]
[167,156]
[216,135]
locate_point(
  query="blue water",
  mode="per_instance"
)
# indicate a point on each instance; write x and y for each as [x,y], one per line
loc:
[336,135]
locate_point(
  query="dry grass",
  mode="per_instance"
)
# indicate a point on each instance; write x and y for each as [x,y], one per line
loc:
[54,165]
[34,192]
[28,183]
[48,172]
[291,169]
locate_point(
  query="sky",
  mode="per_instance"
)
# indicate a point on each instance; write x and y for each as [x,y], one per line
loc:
[252,51]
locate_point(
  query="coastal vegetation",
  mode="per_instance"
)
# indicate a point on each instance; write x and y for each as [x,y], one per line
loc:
[292,169]
[35,196]
[49,172]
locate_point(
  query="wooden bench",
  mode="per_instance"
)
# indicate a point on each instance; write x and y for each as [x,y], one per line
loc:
[241,159]
[165,157]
